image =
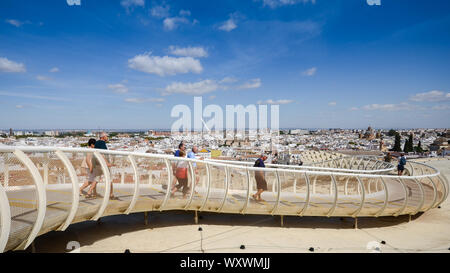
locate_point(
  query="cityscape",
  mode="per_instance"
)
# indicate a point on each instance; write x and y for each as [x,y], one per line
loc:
[238,145]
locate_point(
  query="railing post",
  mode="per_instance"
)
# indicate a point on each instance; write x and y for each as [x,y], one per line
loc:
[41,196]
[248,191]
[45,166]
[75,189]
[363,197]
[107,177]
[308,195]
[277,204]
[169,184]
[422,196]
[434,193]
[136,184]
[6,171]
[386,198]
[194,181]
[333,208]
[402,209]
[208,177]
[227,185]
[5,214]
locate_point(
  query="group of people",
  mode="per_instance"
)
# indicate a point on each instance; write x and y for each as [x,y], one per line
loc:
[93,168]
[401,162]
[180,170]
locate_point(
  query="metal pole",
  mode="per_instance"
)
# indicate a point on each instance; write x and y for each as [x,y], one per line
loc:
[363,197]
[277,204]
[75,189]
[333,208]
[41,198]
[5,220]
[308,195]
[136,184]
[248,192]
[227,184]
[385,199]
[107,176]
[208,177]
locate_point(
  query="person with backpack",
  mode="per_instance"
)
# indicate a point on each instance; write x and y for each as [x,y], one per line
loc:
[401,164]
[261,184]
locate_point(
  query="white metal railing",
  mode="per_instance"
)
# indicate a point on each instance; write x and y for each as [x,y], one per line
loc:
[289,184]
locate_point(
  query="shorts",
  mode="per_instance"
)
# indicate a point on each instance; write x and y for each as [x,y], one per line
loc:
[261,183]
[401,167]
[96,171]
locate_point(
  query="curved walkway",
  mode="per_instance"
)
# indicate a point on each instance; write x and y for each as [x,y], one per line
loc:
[39,189]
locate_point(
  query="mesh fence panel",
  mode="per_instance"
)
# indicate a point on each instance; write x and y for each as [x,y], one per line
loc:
[153,178]
[22,197]
[58,188]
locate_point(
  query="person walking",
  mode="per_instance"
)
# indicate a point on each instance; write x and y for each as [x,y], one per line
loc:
[88,168]
[101,144]
[181,176]
[261,184]
[401,164]
[388,158]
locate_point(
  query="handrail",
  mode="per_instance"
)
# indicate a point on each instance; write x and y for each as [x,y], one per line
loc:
[440,187]
[41,198]
[75,189]
[5,219]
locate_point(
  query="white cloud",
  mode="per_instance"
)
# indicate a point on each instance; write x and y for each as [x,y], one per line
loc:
[196,52]
[432,96]
[441,107]
[118,88]
[195,88]
[54,70]
[19,106]
[143,100]
[270,101]
[42,78]
[10,66]
[354,109]
[165,65]
[253,83]
[185,13]
[391,107]
[160,11]
[310,72]
[229,24]
[278,3]
[13,22]
[28,96]
[332,103]
[131,3]
[171,23]
[228,80]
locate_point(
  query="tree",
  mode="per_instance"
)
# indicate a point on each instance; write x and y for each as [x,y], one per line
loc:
[418,148]
[410,143]
[392,132]
[397,147]
[406,147]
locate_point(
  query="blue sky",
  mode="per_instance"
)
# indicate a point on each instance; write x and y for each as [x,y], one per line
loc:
[125,64]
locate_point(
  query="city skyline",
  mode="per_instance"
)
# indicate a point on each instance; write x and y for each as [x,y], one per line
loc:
[125,64]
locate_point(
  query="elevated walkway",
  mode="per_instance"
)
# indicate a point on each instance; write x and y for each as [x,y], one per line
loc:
[39,189]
